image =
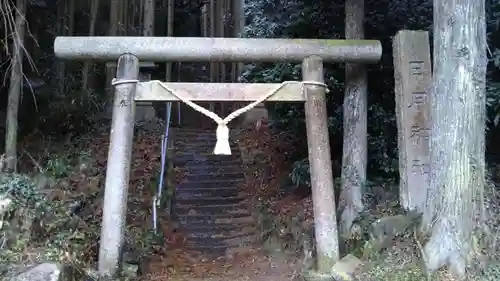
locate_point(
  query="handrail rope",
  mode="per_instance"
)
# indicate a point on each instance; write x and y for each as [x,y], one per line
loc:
[164,147]
[222,146]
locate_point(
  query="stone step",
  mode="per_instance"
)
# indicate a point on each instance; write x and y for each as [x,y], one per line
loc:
[182,192]
[218,234]
[236,241]
[207,159]
[193,141]
[203,133]
[215,251]
[229,209]
[208,200]
[203,146]
[208,184]
[212,169]
[197,129]
[190,142]
[197,168]
[202,151]
[196,132]
[192,133]
[209,207]
[216,220]
[219,252]
[208,163]
[198,176]
[210,218]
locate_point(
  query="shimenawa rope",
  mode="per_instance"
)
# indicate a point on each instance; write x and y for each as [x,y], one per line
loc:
[222,146]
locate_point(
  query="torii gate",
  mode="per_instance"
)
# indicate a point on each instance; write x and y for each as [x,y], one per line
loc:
[128,90]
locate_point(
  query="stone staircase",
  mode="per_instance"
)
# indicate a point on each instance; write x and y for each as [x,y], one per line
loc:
[207,205]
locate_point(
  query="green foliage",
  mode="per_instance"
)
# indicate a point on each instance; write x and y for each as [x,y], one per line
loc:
[491,273]
[34,224]
[22,189]
[300,173]
[382,150]
[493,91]
[73,111]
[493,76]
[27,204]
[58,167]
[41,218]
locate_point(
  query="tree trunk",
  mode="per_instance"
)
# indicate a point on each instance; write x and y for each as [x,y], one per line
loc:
[221,15]
[61,65]
[114,9]
[231,32]
[70,13]
[169,65]
[204,21]
[71,17]
[214,67]
[133,19]
[124,18]
[239,25]
[141,14]
[170,33]
[212,20]
[121,30]
[144,110]
[457,143]
[94,9]
[354,157]
[205,32]
[15,86]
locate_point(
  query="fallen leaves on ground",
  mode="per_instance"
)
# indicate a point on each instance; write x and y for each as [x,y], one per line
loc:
[251,265]
[171,259]
[269,161]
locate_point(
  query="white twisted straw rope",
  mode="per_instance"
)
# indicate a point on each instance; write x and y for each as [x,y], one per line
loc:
[222,146]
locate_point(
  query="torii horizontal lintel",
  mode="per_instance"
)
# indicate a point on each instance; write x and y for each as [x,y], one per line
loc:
[196,92]
[205,49]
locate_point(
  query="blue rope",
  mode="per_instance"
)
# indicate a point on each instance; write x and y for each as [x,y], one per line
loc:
[164,144]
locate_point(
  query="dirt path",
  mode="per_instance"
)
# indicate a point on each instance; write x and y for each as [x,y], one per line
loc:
[252,265]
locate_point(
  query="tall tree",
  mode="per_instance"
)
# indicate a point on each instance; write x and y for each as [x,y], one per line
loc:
[113,27]
[145,110]
[220,32]
[149,17]
[213,33]
[66,20]
[170,33]
[457,143]
[16,77]
[125,17]
[214,67]
[94,9]
[355,148]
[239,26]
